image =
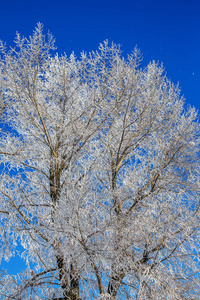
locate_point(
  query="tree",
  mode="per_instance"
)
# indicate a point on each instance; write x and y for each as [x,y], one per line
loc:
[99,176]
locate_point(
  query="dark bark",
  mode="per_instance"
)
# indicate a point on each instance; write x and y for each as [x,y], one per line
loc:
[63,278]
[114,284]
[70,289]
[74,284]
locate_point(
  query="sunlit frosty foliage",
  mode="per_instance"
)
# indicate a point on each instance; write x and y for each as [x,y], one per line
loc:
[99,176]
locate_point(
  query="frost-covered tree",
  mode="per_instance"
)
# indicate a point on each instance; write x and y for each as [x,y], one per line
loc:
[99,176]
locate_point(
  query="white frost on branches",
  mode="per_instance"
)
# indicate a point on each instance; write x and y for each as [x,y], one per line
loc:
[99,176]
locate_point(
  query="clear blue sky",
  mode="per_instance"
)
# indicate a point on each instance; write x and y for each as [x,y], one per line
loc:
[165,30]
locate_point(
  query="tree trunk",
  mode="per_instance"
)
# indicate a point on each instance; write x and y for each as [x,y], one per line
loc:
[63,278]
[74,284]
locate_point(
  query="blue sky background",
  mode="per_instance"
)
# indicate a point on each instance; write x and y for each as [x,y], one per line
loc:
[167,31]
